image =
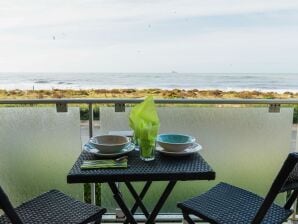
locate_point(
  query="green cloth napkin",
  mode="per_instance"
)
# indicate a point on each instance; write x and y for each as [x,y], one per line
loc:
[143,119]
[103,164]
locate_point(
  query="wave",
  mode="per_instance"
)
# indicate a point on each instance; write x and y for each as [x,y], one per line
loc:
[202,81]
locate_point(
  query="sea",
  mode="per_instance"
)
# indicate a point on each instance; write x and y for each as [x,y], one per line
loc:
[265,82]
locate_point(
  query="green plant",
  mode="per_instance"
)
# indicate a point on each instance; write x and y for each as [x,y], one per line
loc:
[84,113]
[87,193]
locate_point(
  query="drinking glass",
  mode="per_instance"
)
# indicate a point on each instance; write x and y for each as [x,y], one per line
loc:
[147,149]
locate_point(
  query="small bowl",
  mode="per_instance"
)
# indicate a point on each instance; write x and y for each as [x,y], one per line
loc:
[107,144]
[175,142]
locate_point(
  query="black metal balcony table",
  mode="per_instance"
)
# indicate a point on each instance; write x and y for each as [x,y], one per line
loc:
[170,169]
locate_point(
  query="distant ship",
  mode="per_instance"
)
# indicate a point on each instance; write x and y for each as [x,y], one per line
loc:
[174,72]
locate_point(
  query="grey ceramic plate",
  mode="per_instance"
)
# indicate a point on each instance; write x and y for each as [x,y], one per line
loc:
[89,148]
[194,148]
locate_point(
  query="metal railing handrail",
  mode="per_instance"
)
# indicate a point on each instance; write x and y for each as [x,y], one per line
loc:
[159,101]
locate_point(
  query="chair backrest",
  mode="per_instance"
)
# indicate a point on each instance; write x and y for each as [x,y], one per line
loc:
[292,181]
[286,180]
[8,209]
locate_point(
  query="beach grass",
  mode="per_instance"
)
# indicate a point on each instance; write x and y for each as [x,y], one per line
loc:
[139,93]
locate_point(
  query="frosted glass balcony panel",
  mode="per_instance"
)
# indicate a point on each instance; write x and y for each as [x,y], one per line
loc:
[38,148]
[245,146]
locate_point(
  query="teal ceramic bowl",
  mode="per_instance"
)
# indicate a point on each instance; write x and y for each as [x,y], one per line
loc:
[175,142]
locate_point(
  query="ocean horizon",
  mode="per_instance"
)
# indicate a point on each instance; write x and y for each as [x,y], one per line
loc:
[264,82]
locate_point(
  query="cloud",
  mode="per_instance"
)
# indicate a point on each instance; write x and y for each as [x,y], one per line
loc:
[160,35]
[55,12]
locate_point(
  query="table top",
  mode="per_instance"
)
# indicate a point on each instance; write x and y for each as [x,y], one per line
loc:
[163,168]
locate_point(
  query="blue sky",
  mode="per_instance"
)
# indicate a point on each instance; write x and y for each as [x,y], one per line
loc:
[149,36]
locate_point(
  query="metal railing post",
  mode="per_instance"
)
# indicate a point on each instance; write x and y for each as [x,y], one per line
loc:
[93,200]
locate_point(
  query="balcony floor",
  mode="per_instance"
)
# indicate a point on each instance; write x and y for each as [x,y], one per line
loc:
[110,218]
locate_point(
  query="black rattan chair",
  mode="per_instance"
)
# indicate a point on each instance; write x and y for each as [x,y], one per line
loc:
[52,207]
[227,204]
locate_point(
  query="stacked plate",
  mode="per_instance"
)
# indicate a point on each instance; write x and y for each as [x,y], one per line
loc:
[177,145]
[109,146]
